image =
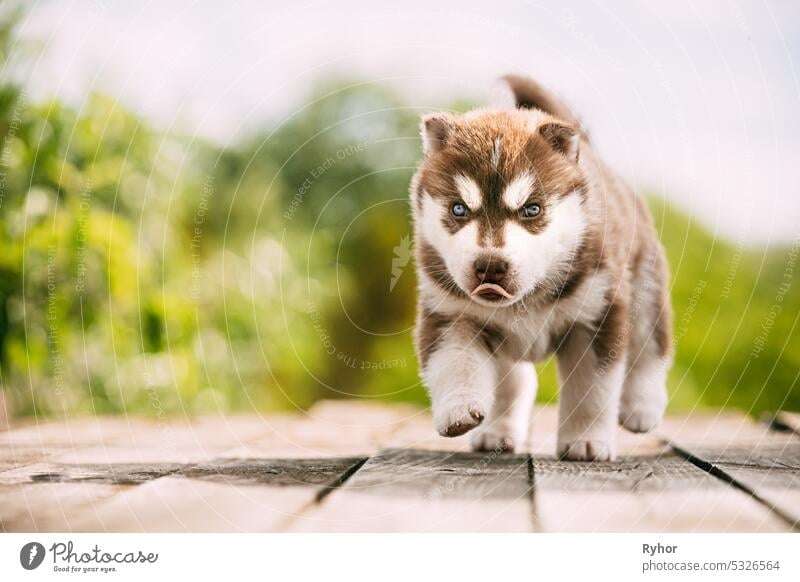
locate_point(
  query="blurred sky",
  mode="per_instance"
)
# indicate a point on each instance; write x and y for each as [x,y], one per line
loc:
[697,101]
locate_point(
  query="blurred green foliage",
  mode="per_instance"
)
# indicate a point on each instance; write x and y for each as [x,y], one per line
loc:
[143,273]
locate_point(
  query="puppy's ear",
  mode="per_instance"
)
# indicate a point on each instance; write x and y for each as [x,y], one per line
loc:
[435,129]
[563,138]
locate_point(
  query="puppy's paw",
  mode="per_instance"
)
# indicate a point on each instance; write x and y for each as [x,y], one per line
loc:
[641,416]
[587,450]
[457,419]
[491,439]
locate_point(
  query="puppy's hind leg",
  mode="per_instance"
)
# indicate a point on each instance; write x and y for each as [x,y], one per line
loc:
[506,427]
[644,393]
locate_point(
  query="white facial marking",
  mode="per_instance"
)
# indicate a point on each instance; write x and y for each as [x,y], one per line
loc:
[518,190]
[469,190]
[458,250]
[535,256]
[496,153]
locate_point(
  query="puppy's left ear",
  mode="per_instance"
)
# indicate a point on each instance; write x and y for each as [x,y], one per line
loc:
[435,129]
[563,138]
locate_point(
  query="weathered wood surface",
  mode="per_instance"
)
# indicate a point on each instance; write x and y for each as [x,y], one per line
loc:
[750,456]
[422,490]
[345,466]
[182,502]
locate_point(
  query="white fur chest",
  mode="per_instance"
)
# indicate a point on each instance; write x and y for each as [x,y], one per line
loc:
[528,329]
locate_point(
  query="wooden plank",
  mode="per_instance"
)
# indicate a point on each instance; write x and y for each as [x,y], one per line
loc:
[37,495]
[175,504]
[251,486]
[74,432]
[47,507]
[108,441]
[425,482]
[419,490]
[331,428]
[770,473]
[115,474]
[719,430]
[85,462]
[80,476]
[764,462]
[658,493]
[225,496]
[648,488]
[201,432]
[18,456]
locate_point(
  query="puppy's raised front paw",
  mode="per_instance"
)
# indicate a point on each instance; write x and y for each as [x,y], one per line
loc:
[588,450]
[455,420]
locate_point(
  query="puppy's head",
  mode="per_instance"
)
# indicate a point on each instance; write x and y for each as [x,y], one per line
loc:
[498,202]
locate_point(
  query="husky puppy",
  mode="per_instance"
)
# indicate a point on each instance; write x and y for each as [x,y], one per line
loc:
[527,244]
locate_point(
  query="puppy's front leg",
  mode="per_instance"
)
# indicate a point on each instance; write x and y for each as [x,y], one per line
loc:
[591,382]
[506,428]
[460,375]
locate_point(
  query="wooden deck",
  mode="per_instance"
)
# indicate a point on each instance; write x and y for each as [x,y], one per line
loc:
[347,466]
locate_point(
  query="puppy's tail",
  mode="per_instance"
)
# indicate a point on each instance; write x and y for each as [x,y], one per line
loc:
[529,94]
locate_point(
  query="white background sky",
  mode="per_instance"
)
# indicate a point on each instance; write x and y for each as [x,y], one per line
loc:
[698,101]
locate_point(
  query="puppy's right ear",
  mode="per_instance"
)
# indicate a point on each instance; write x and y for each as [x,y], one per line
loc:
[435,129]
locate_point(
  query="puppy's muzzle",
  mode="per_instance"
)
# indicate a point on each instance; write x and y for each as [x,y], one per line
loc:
[491,274]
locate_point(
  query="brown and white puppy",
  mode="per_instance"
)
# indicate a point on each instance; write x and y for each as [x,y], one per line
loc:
[527,244]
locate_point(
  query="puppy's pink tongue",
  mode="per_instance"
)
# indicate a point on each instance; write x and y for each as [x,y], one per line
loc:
[490,287]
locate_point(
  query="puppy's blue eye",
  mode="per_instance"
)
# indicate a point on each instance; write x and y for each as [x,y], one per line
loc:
[531,210]
[459,209]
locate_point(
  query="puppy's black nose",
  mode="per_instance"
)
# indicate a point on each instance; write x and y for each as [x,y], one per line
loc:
[489,269]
